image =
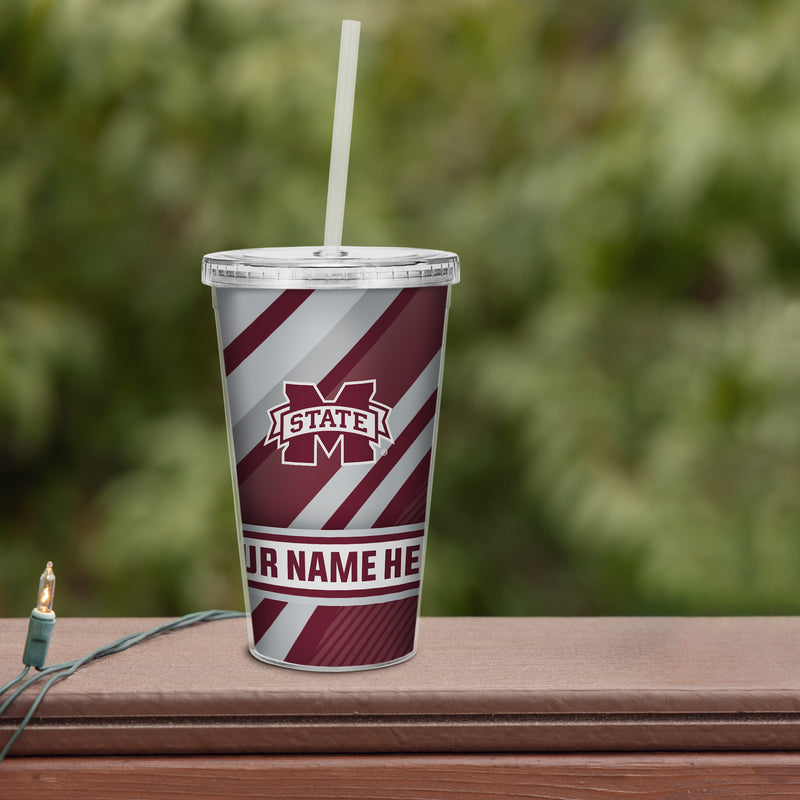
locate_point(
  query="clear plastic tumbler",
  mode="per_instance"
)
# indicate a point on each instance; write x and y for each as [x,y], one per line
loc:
[331,369]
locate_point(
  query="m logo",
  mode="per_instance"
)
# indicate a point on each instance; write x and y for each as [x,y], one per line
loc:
[352,423]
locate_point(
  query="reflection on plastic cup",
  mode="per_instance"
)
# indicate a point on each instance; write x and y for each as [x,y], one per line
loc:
[331,376]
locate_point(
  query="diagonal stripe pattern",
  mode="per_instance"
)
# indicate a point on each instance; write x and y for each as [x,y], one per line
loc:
[264,325]
[329,338]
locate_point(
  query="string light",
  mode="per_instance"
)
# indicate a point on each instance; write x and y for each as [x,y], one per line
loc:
[47,589]
[40,628]
[42,621]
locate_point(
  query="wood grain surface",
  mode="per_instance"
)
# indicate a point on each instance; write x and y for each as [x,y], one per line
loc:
[513,685]
[765,776]
[565,709]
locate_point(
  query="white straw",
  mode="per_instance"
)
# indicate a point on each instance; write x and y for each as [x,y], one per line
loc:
[340,145]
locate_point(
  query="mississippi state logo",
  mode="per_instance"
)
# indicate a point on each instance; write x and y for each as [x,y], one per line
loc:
[352,423]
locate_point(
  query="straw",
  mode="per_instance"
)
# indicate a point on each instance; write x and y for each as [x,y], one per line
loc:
[340,145]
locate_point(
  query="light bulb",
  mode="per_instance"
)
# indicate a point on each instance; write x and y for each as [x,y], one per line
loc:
[40,625]
[47,589]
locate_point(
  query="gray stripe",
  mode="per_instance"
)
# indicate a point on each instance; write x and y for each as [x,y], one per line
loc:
[257,595]
[371,532]
[241,308]
[390,486]
[310,364]
[280,637]
[339,487]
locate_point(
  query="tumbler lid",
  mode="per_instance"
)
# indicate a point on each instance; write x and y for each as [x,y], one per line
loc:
[310,267]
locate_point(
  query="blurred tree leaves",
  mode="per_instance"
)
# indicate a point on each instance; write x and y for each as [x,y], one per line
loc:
[622,181]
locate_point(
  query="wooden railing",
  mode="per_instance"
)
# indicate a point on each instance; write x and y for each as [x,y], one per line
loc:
[513,707]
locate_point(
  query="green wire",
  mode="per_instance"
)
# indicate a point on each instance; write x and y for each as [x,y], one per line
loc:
[15,680]
[59,672]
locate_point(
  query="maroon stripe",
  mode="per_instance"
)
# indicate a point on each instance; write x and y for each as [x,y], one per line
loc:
[353,640]
[263,326]
[382,645]
[418,510]
[341,635]
[263,615]
[384,627]
[296,591]
[274,494]
[392,619]
[356,499]
[247,465]
[279,537]
[409,494]
[403,641]
[305,647]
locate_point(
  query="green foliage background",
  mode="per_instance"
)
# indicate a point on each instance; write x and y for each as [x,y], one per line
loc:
[619,426]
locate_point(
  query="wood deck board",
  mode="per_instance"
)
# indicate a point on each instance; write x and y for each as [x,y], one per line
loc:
[774,776]
[477,685]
